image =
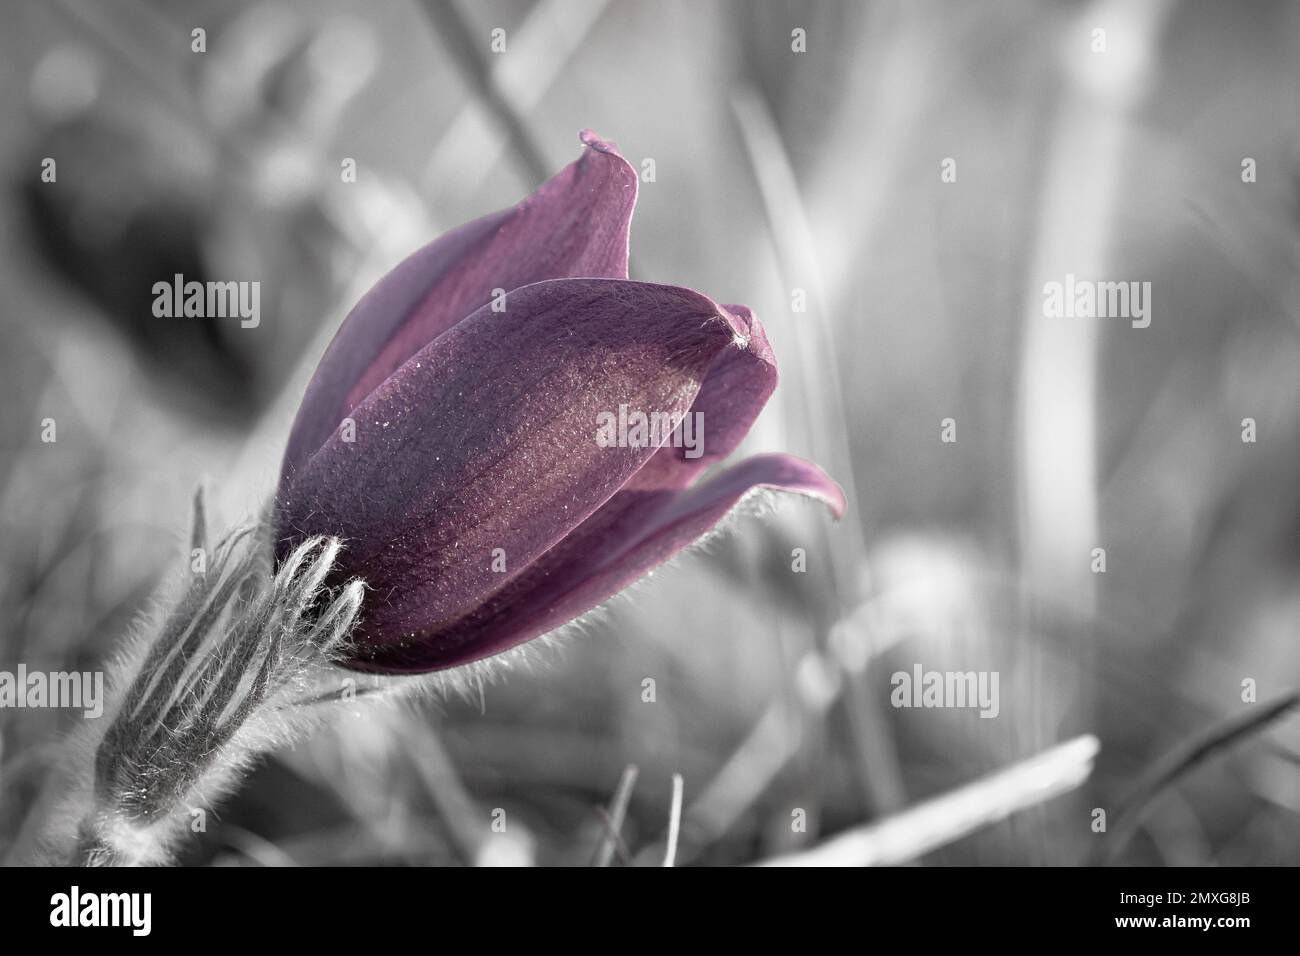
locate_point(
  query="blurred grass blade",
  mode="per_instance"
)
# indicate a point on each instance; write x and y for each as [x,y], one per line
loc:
[458,39]
[540,49]
[825,421]
[616,815]
[793,238]
[674,822]
[1185,758]
[935,823]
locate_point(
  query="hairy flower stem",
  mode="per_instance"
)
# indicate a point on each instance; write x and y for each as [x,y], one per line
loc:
[221,680]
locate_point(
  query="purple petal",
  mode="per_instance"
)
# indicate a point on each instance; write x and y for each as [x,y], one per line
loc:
[486,438]
[575,224]
[738,385]
[619,543]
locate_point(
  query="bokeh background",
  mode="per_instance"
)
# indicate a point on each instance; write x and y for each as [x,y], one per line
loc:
[774,170]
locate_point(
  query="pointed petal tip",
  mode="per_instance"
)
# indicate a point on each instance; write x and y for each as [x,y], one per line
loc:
[742,312]
[593,139]
[755,337]
[836,501]
[790,473]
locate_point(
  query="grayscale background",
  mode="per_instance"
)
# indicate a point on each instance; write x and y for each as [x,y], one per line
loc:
[775,170]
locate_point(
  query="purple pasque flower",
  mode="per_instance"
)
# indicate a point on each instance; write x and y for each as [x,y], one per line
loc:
[449,435]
